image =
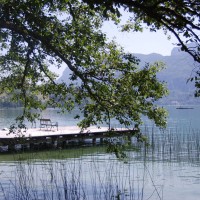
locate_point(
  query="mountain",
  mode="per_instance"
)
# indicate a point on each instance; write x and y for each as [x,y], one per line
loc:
[180,66]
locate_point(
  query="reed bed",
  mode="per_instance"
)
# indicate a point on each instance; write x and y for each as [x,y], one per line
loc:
[91,177]
[174,144]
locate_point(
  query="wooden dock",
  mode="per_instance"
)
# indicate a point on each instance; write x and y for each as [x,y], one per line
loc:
[59,137]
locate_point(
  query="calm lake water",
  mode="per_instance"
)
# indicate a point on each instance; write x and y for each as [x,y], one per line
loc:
[169,169]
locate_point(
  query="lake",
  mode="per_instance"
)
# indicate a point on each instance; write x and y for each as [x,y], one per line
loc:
[168,169]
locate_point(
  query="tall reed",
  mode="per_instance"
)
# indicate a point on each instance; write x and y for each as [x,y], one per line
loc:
[91,177]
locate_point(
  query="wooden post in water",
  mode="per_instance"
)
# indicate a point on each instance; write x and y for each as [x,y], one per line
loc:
[11,147]
[94,140]
[54,142]
[101,140]
[31,145]
[64,143]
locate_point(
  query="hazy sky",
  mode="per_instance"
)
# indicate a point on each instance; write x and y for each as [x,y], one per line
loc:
[145,42]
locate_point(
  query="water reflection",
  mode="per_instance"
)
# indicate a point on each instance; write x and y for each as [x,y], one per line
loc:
[90,173]
[168,169]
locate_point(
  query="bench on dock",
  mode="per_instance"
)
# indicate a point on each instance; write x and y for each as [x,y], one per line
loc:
[47,123]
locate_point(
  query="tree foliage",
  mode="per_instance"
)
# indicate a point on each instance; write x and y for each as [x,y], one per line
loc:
[37,34]
[180,18]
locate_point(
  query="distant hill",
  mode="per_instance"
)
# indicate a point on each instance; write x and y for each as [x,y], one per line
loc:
[179,67]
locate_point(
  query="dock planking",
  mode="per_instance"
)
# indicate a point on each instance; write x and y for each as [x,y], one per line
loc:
[63,135]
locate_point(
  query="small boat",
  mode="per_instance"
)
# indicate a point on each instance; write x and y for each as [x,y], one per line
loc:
[184,108]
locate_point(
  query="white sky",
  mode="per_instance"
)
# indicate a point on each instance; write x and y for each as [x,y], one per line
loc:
[145,42]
